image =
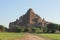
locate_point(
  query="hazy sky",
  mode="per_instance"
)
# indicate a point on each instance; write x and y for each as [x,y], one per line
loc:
[10,10]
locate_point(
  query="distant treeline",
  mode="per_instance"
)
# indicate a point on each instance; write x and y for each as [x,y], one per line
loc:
[3,28]
[50,28]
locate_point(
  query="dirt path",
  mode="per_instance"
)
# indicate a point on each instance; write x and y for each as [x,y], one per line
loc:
[29,36]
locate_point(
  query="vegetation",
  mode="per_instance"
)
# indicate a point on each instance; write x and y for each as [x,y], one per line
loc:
[2,28]
[50,28]
[50,36]
[10,36]
[58,28]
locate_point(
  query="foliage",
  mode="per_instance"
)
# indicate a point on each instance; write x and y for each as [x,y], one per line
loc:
[18,29]
[58,28]
[36,29]
[51,28]
[2,28]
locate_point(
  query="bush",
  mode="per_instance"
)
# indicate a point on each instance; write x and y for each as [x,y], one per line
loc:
[51,28]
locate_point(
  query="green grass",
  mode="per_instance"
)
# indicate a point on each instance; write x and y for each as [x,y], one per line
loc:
[50,36]
[10,36]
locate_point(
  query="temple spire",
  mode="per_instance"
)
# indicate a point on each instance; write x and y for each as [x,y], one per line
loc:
[30,10]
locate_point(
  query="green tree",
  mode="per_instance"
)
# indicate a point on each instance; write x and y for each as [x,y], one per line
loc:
[51,28]
[58,28]
[36,29]
[1,28]
[29,29]
[6,29]
[19,28]
[33,29]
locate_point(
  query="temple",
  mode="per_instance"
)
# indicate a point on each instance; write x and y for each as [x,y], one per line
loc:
[30,19]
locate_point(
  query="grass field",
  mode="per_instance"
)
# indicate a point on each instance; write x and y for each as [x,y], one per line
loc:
[10,36]
[15,36]
[50,36]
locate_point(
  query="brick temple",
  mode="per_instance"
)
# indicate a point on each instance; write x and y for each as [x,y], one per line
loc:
[30,19]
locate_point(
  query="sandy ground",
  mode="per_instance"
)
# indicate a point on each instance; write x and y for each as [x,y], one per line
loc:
[29,36]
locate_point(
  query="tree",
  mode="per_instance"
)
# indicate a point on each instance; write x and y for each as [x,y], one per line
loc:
[2,28]
[36,29]
[33,29]
[22,28]
[29,29]
[51,28]
[6,29]
[58,28]
[19,28]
